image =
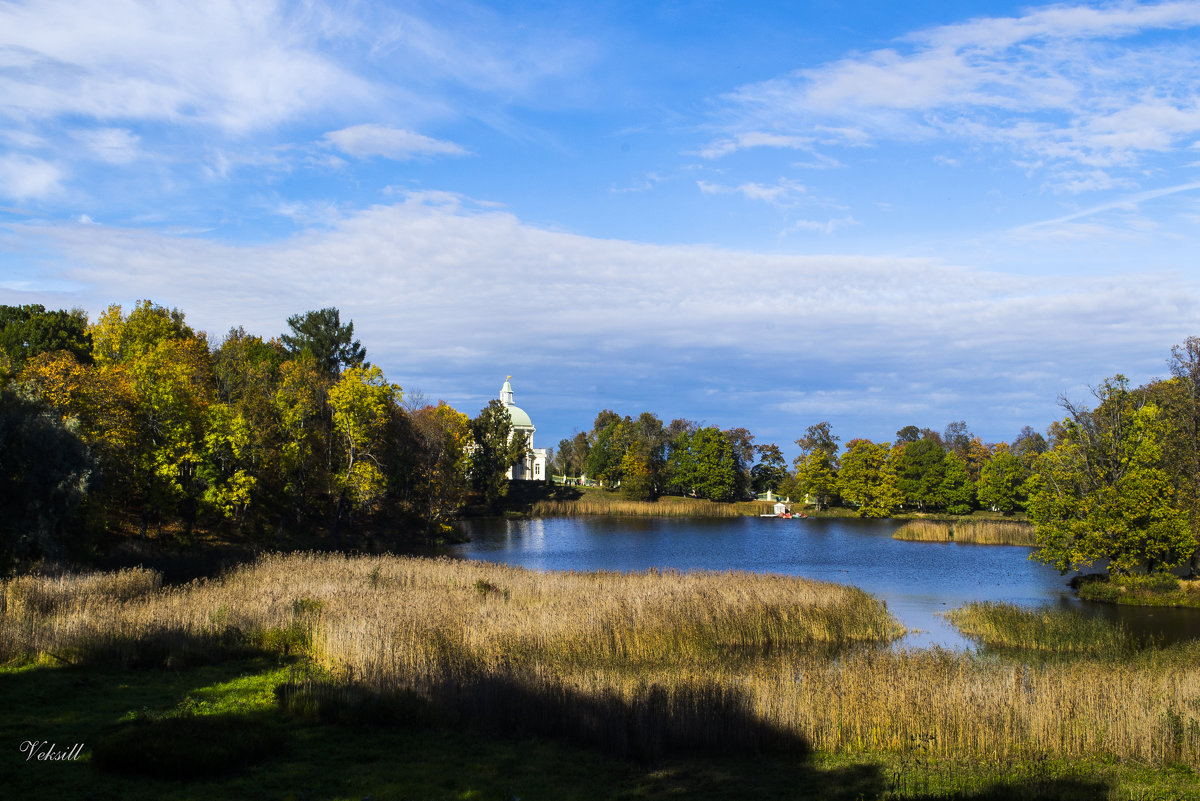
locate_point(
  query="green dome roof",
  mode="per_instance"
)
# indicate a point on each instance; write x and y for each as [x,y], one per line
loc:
[519,418]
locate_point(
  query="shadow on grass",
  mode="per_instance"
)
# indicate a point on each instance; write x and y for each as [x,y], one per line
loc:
[1032,790]
[487,738]
[652,723]
[191,746]
[178,649]
[867,779]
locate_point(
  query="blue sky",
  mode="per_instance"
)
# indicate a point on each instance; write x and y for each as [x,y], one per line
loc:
[748,214]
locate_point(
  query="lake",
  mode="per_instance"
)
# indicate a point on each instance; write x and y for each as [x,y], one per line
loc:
[917,580]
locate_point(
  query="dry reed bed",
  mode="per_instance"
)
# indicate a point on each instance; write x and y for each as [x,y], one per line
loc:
[683,507]
[973,532]
[1004,625]
[717,656]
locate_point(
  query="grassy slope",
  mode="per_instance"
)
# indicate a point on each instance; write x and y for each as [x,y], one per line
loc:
[354,762]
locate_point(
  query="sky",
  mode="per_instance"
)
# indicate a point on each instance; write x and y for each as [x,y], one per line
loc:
[745,214]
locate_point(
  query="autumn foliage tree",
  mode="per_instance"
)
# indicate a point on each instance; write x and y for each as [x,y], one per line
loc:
[1102,491]
[253,436]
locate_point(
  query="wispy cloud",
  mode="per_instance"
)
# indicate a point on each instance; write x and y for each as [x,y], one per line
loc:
[111,145]
[365,141]
[749,139]
[1078,87]
[230,65]
[643,184]
[825,227]
[28,178]
[784,192]
[1066,224]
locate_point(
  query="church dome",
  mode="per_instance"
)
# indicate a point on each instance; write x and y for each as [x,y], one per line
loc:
[518,416]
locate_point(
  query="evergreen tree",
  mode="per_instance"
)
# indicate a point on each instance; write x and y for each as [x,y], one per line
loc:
[494,449]
[322,334]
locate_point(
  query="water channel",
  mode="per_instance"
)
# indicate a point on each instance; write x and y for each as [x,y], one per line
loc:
[918,580]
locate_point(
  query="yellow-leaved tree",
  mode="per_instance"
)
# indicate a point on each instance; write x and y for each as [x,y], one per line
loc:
[170,369]
[440,468]
[362,402]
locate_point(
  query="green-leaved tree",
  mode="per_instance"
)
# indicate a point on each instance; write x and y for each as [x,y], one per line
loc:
[1102,492]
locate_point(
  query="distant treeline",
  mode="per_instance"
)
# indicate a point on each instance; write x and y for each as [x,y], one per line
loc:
[922,470]
[1119,483]
[137,423]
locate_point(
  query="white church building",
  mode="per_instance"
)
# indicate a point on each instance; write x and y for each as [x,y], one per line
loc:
[534,466]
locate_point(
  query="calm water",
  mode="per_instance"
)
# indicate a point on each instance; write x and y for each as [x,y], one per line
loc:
[917,580]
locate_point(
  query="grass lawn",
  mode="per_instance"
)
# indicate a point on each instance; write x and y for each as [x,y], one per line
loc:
[157,716]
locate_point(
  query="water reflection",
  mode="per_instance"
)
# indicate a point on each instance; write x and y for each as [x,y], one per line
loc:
[918,581]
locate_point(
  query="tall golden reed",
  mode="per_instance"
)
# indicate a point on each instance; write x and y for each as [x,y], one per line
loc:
[974,532]
[696,649]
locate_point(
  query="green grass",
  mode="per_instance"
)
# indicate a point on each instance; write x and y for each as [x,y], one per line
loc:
[193,714]
[1152,590]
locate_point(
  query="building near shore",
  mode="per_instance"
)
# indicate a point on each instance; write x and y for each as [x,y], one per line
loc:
[533,468]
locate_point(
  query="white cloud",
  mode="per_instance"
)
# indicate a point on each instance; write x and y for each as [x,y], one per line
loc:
[826,227]
[783,192]
[723,147]
[1084,86]
[644,184]
[28,178]
[231,65]
[364,141]
[443,291]
[111,145]
[24,140]
[1079,181]
[431,280]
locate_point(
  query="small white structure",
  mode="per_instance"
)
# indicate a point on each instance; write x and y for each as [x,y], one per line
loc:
[781,508]
[534,466]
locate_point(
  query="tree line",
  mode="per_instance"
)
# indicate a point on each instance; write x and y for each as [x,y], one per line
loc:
[1118,483]
[922,470]
[137,422]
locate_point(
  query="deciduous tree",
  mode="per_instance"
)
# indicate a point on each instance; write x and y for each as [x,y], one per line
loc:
[816,477]
[771,470]
[867,479]
[956,493]
[362,402]
[920,470]
[26,331]
[1001,483]
[1101,492]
